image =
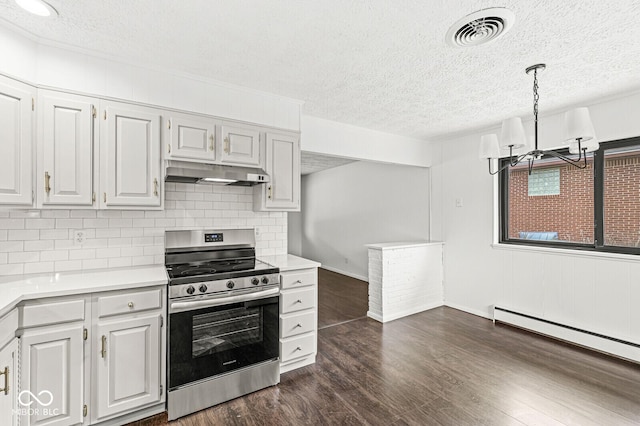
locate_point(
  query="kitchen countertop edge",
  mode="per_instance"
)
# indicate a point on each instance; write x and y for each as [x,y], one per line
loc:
[290,262]
[18,288]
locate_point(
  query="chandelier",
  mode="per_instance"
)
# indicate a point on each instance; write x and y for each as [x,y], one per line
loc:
[578,133]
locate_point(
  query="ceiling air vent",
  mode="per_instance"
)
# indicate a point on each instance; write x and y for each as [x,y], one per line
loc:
[481,27]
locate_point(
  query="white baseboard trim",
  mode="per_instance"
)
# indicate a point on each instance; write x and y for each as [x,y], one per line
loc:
[585,338]
[393,316]
[349,274]
[483,314]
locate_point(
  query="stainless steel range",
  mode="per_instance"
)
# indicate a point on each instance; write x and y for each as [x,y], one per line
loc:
[223,319]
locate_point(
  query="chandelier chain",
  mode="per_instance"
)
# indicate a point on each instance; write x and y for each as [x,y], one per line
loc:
[536,96]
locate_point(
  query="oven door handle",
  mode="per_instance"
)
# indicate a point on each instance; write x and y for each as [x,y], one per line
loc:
[199,304]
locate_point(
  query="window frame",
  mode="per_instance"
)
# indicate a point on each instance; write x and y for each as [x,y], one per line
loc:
[598,205]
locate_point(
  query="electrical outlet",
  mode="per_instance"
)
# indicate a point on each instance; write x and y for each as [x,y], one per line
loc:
[79,237]
[346,260]
[257,231]
[459,202]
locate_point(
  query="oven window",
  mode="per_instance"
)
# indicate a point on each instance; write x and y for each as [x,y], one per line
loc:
[209,341]
[220,331]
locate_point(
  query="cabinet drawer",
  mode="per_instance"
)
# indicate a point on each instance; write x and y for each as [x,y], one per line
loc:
[294,324]
[297,347]
[8,327]
[297,300]
[299,279]
[36,314]
[129,302]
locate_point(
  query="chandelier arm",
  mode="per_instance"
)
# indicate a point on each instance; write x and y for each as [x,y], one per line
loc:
[576,163]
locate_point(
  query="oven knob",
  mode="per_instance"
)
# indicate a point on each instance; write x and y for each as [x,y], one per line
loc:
[191,289]
[230,284]
[203,288]
[255,281]
[265,280]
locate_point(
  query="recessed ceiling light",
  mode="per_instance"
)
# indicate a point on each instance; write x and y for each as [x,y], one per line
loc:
[37,7]
[481,27]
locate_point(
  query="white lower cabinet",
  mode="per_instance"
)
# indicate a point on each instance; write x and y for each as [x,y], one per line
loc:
[9,383]
[52,375]
[127,372]
[298,318]
[92,359]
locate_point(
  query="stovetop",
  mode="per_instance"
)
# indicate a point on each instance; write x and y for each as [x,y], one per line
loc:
[195,272]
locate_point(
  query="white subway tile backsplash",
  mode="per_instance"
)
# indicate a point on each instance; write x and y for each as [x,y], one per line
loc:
[67,265]
[38,267]
[24,257]
[54,255]
[69,223]
[40,245]
[29,243]
[23,235]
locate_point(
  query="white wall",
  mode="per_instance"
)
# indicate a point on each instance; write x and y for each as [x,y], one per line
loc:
[344,140]
[294,230]
[586,290]
[59,67]
[346,207]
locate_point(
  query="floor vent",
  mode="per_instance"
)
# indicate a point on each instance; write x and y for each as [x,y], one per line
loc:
[600,342]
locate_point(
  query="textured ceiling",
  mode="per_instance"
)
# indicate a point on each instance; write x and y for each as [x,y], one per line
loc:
[312,162]
[374,63]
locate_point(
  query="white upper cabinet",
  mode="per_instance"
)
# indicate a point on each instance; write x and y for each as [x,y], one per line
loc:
[240,145]
[283,166]
[190,137]
[16,127]
[129,156]
[65,150]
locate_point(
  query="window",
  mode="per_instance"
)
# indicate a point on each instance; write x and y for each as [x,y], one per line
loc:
[558,205]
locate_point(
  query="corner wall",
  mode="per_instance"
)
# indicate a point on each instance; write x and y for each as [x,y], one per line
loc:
[360,203]
[594,292]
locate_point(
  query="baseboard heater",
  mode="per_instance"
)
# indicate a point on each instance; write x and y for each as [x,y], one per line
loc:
[600,342]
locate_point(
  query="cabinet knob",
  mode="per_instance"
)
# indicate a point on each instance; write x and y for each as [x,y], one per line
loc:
[298,301]
[130,304]
[298,282]
[298,349]
[298,325]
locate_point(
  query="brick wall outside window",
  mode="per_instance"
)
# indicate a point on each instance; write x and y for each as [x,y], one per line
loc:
[571,213]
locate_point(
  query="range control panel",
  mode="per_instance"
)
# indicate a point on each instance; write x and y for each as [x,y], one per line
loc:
[216,237]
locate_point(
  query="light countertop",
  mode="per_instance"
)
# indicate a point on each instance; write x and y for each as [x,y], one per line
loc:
[289,262]
[402,244]
[16,288]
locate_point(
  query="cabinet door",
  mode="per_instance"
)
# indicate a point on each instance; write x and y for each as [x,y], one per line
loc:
[240,146]
[190,137]
[283,166]
[128,369]
[52,375]
[65,150]
[8,383]
[130,156]
[16,126]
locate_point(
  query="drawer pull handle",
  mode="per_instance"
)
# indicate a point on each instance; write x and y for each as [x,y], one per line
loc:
[130,304]
[298,282]
[298,301]
[298,325]
[103,352]
[5,372]
[298,349]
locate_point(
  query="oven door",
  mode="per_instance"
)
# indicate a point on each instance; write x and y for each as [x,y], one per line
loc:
[212,336]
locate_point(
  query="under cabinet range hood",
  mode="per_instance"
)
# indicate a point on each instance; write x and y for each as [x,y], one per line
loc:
[186,172]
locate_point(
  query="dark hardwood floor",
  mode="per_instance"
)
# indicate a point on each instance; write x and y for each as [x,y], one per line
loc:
[439,367]
[340,298]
